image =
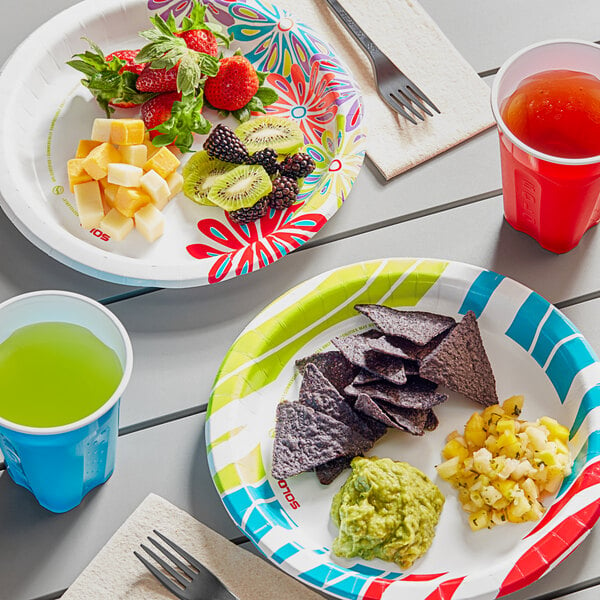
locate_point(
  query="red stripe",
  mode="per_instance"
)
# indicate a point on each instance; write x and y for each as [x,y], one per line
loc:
[445,590]
[376,589]
[586,479]
[423,576]
[540,557]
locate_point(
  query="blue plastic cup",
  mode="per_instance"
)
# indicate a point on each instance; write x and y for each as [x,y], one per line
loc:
[60,465]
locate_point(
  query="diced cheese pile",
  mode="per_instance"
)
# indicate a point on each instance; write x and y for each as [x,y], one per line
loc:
[121,181]
[503,466]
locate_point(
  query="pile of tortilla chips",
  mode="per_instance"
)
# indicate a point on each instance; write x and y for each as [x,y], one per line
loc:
[386,377]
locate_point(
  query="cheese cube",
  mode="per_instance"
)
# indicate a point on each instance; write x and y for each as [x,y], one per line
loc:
[129,200]
[76,172]
[106,207]
[97,161]
[101,130]
[116,225]
[109,191]
[157,188]
[124,174]
[85,147]
[152,149]
[150,222]
[89,204]
[175,183]
[134,155]
[164,162]
[127,132]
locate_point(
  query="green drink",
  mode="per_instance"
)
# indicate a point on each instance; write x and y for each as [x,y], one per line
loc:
[52,374]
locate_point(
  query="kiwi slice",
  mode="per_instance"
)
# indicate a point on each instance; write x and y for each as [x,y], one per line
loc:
[200,173]
[283,135]
[242,187]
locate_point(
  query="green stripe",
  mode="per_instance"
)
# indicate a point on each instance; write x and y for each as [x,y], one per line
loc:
[327,297]
[248,469]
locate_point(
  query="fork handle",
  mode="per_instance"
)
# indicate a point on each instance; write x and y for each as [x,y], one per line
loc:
[353,28]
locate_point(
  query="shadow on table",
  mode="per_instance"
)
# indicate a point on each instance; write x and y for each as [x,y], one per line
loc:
[514,247]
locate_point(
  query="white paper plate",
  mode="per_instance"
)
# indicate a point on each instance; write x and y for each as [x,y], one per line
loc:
[44,111]
[534,350]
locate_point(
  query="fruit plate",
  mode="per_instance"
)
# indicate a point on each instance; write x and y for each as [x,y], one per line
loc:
[534,350]
[45,111]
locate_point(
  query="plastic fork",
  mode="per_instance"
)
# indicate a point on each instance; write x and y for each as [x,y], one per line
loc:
[181,573]
[395,88]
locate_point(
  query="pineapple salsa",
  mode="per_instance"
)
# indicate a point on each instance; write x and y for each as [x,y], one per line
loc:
[503,466]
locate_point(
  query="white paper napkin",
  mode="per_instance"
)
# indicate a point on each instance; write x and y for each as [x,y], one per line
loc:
[410,38]
[116,574]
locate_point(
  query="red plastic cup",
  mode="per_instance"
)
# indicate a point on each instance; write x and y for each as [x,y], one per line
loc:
[555,200]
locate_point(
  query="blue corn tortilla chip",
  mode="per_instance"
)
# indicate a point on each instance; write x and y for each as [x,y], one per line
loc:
[338,370]
[417,393]
[370,408]
[305,439]
[461,364]
[432,421]
[365,377]
[318,393]
[397,346]
[328,472]
[409,419]
[416,326]
[357,350]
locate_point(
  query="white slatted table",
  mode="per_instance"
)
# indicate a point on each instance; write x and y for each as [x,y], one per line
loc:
[450,207]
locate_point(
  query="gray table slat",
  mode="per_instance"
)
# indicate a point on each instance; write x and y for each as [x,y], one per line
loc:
[181,336]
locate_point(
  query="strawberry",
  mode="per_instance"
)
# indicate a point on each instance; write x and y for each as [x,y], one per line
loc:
[129,57]
[157,80]
[157,110]
[234,85]
[190,49]
[200,40]
[110,78]
[173,119]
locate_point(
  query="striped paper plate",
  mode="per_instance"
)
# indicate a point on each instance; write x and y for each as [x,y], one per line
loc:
[534,350]
[44,111]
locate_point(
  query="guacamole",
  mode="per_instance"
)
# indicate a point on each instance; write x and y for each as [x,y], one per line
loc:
[386,509]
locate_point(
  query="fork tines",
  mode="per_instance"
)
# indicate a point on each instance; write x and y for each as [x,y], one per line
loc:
[405,97]
[184,573]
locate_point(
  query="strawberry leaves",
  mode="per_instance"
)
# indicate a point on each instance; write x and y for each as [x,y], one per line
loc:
[186,119]
[104,79]
[165,50]
[197,20]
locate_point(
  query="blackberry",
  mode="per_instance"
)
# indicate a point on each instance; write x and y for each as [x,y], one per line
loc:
[222,143]
[267,158]
[283,195]
[297,166]
[247,215]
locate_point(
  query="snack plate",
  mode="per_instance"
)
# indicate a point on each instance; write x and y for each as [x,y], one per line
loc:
[534,350]
[45,111]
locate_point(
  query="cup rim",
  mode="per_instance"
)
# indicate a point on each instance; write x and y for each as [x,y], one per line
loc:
[127,368]
[589,160]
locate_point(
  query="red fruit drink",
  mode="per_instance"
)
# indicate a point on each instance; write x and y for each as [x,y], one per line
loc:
[546,101]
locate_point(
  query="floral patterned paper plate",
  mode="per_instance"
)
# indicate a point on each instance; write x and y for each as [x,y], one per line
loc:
[45,111]
[534,350]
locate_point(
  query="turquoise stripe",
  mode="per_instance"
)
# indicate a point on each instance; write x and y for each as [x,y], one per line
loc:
[590,400]
[522,329]
[285,552]
[480,292]
[568,360]
[368,571]
[347,586]
[589,450]
[555,328]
